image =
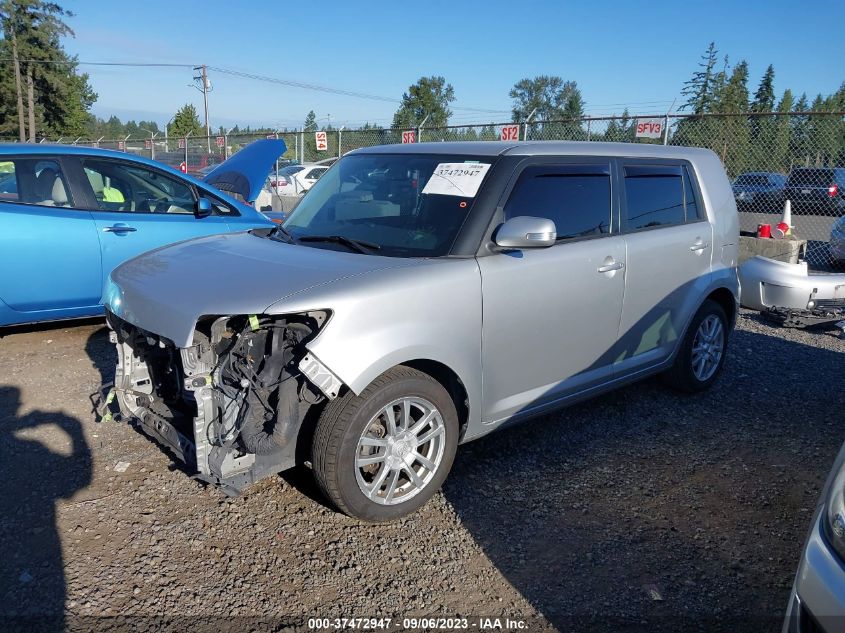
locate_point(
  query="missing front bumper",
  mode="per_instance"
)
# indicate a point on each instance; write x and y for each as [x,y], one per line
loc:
[189,401]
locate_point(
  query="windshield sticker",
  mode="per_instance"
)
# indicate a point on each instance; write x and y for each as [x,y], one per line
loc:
[456,179]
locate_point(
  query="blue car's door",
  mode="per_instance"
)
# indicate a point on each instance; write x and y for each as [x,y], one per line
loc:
[137,208]
[49,251]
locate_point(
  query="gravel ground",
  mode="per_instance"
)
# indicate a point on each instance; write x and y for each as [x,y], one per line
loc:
[642,510]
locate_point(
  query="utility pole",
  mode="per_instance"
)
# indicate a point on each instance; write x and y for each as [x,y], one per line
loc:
[206,87]
[30,102]
[17,66]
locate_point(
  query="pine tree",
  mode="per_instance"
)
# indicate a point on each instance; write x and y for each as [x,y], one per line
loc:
[780,145]
[762,126]
[764,98]
[732,141]
[185,123]
[699,89]
[58,99]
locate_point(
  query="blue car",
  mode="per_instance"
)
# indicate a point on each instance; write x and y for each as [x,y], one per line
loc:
[69,215]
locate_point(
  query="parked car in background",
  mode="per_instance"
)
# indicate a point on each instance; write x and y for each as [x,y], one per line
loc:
[759,191]
[817,190]
[296,179]
[69,215]
[817,601]
[284,177]
[424,295]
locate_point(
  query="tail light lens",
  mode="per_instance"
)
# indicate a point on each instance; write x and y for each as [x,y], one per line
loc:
[832,190]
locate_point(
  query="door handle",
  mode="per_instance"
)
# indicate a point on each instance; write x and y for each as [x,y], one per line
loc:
[699,245]
[119,228]
[610,267]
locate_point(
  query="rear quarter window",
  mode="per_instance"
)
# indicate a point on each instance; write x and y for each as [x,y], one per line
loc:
[654,197]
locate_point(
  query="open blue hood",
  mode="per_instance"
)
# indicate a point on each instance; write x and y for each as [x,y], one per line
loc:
[245,172]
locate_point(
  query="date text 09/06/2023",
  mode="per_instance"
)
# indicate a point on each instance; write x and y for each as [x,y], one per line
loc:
[414,623]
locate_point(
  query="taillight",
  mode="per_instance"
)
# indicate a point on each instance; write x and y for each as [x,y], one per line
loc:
[832,190]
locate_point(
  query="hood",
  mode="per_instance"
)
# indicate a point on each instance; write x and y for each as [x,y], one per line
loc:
[246,171]
[165,291]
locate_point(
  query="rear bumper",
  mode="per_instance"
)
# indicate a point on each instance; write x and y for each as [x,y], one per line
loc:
[767,283]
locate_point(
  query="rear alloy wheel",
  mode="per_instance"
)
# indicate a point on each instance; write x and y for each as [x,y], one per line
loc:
[383,454]
[701,355]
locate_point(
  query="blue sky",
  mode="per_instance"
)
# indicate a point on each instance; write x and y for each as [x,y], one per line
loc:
[619,53]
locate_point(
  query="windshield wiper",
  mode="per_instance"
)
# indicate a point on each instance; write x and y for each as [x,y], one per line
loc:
[359,246]
[280,230]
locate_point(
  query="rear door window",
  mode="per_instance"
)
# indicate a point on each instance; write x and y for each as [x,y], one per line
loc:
[34,180]
[658,196]
[8,182]
[575,197]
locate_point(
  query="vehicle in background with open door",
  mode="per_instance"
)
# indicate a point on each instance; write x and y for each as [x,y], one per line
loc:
[70,214]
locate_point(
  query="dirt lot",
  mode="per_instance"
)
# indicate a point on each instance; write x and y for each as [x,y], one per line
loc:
[643,510]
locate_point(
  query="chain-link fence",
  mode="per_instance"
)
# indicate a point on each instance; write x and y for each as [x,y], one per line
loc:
[769,157]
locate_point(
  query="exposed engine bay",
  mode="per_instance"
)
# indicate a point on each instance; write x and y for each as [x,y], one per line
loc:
[231,405]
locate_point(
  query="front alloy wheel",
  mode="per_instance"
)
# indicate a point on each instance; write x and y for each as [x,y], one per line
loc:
[383,454]
[400,451]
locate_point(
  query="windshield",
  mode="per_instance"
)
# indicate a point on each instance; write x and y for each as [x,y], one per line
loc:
[811,177]
[409,205]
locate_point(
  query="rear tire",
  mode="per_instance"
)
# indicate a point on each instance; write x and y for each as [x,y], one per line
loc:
[701,355]
[382,455]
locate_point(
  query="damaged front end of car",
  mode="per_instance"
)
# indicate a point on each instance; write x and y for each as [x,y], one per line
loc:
[230,406]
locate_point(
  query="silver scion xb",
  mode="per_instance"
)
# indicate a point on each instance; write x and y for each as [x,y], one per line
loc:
[421,296]
[817,601]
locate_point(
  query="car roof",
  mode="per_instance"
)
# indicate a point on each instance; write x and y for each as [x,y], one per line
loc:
[539,148]
[56,149]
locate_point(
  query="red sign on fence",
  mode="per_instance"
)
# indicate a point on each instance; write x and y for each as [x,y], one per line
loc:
[649,128]
[182,143]
[121,145]
[183,167]
[322,141]
[409,137]
[510,133]
[220,140]
[148,144]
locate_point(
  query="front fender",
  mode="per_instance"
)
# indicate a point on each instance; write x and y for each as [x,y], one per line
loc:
[427,311]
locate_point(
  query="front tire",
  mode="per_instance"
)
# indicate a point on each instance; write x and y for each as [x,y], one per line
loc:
[382,455]
[701,356]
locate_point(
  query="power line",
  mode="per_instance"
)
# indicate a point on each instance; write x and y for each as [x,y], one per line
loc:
[245,75]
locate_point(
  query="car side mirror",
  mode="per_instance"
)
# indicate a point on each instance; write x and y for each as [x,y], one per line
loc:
[526,232]
[204,208]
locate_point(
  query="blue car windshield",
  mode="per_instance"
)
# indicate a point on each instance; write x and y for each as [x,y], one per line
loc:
[408,205]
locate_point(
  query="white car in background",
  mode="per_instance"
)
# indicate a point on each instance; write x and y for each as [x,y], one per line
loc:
[295,179]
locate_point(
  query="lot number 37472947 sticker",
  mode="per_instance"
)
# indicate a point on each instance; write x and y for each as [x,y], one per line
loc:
[456,179]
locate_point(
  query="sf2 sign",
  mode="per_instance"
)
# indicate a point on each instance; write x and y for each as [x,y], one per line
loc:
[409,137]
[510,133]
[322,141]
[649,128]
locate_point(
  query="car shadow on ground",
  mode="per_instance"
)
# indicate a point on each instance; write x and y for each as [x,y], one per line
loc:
[35,476]
[651,510]
[102,354]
